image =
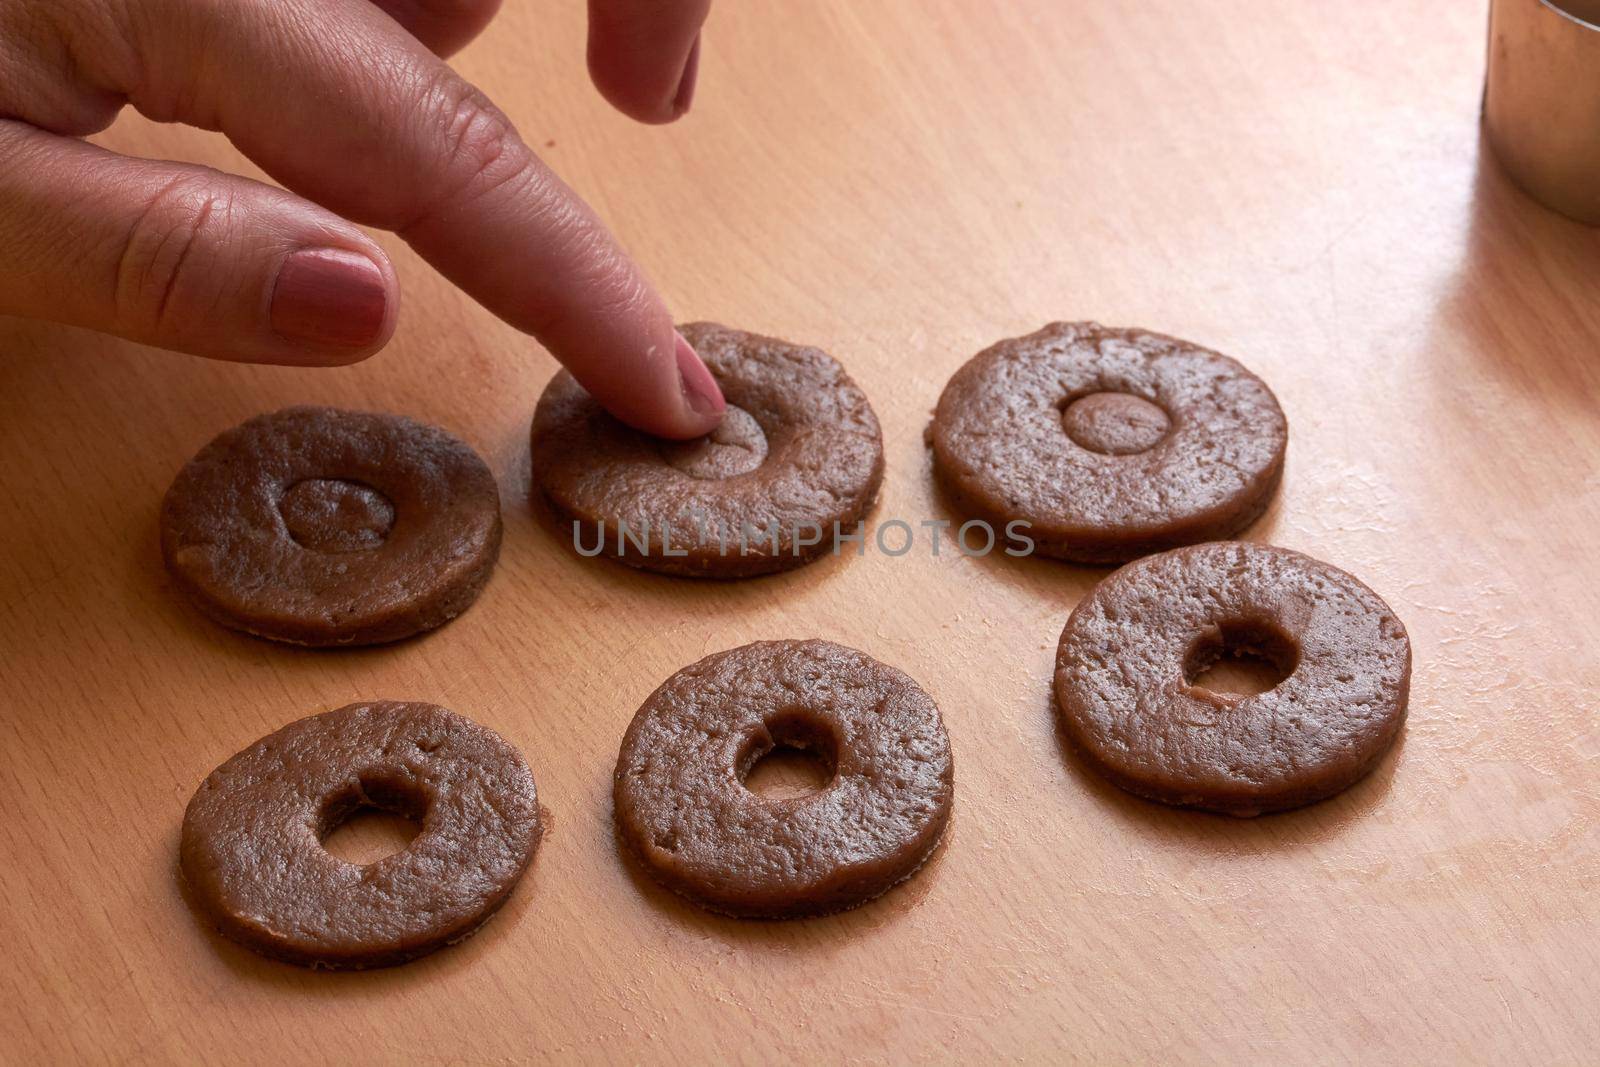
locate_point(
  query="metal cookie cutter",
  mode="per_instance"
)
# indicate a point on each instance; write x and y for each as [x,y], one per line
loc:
[1542,103]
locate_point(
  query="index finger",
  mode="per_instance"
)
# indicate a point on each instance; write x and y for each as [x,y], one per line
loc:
[341,105]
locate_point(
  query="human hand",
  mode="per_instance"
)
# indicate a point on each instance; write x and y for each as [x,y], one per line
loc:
[348,104]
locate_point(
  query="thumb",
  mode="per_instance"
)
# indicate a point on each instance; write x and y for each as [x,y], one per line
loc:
[644,55]
[184,257]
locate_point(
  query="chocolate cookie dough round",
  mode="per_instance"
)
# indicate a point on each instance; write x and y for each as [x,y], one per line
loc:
[1131,653]
[798,456]
[252,859]
[324,527]
[683,808]
[1110,444]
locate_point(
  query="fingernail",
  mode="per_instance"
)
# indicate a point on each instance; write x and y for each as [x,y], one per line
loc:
[691,74]
[329,296]
[699,387]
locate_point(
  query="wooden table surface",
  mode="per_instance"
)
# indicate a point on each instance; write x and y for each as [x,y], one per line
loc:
[901,182]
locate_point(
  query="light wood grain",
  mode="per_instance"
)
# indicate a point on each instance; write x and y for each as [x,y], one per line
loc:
[901,182]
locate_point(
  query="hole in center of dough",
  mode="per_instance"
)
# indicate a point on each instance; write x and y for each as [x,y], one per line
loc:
[371,821]
[1115,424]
[368,835]
[737,446]
[795,757]
[334,515]
[1241,658]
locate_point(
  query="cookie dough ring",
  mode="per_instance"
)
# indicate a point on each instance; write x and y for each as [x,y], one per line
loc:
[252,859]
[682,807]
[322,527]
[798,452]
[1128,703]
[1111,444]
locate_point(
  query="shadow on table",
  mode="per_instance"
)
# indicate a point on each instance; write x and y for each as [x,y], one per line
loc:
[1550,266]
[1229,834]
[189,631]
[842,928]
[547,533]
[378,982]
[1059,581]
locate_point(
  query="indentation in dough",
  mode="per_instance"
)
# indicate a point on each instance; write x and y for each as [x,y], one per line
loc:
[1115,424]
[336,515]
[737,446]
